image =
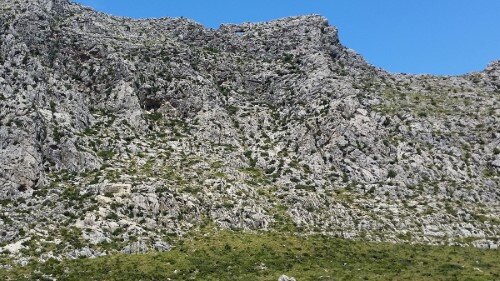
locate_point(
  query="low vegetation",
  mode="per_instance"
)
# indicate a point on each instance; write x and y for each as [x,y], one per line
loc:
[227,255]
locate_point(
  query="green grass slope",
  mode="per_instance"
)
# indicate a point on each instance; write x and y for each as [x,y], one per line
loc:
[227,255]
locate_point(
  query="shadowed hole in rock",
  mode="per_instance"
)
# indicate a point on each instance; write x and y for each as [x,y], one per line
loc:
[152,104]
[22,188]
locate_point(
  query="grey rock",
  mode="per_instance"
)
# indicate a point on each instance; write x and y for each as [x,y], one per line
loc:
[286,278]
[162,246]
[136,248]
[117,128]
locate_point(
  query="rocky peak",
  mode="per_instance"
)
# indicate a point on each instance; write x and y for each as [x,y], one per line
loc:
[299,24]
[306,32]
[491,73]
[493,68]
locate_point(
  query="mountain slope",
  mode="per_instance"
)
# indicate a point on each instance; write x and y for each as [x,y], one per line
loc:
[116,133]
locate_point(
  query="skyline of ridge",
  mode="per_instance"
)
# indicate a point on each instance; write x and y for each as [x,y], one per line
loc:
[445,38]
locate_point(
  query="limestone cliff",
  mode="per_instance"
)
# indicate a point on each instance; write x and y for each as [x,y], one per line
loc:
[122,131]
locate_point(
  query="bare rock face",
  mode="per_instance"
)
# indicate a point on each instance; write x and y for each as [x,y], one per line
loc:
[120,132]
[492,73]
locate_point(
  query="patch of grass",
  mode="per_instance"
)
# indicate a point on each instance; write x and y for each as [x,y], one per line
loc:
[305,187]
[391,174]
[52,106]
[227,255]
[156,116]
[106,154]
[232,110]
[57,134]
[89,132]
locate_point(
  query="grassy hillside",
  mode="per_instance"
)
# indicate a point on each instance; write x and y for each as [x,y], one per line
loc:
[226,255]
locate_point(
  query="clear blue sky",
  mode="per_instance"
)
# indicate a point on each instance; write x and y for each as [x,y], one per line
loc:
[413,36]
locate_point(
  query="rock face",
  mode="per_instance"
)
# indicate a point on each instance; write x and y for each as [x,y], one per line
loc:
[120,132]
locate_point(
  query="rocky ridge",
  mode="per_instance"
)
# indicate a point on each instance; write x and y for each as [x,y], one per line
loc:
[116,134]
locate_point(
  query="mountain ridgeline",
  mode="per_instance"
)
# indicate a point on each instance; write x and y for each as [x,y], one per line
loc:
[116,133]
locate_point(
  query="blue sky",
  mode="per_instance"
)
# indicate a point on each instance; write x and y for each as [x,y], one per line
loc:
[445,37]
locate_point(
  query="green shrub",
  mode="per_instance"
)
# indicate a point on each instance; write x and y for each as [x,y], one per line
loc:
[52,106]
[232,110]
[392,174]
[156,116]
[106,154]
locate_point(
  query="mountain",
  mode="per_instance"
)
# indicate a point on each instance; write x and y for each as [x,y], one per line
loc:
[116,133]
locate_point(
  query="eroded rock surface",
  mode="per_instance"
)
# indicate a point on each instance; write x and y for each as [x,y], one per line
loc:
[116,133]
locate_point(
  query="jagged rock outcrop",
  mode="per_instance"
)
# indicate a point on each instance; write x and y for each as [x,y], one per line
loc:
[119,132]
